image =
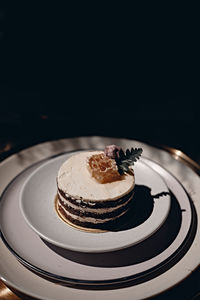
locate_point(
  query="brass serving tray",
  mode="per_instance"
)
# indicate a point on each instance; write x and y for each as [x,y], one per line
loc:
[5,292]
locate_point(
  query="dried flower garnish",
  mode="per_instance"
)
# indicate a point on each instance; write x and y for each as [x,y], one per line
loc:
[103,168]
[111,151]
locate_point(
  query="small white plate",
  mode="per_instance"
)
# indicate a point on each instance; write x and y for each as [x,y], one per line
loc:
[38,208]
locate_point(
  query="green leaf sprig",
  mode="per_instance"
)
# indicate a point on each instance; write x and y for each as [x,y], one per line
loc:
[126,159]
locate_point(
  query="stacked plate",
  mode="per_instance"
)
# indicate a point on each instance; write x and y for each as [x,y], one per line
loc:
[156,236]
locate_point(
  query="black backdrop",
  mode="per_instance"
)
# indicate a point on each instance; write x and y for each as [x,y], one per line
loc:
[111,71]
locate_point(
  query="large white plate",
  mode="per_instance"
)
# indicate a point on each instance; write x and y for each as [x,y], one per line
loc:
[111,268]
[37,203]
[17,276]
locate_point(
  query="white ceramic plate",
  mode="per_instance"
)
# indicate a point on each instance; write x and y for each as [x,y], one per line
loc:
[17,276]
[38,208]
[93,269]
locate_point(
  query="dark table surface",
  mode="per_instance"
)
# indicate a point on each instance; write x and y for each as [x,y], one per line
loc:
[168,123]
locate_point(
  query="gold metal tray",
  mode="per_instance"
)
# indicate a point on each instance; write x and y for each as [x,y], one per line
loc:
[6,293]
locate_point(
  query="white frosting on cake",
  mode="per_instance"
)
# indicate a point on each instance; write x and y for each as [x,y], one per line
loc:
[75,180]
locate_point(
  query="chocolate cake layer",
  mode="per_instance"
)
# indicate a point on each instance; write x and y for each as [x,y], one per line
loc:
[98,213]
[94,204]
[104,225]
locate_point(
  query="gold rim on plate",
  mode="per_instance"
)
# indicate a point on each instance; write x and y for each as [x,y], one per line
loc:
[179,155]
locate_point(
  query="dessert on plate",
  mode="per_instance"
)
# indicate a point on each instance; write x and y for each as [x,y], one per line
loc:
[95,188]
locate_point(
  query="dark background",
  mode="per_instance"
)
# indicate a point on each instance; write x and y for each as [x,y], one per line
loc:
[97,70]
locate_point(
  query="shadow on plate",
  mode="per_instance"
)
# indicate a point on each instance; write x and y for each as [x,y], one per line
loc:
[141,209]
[142,251]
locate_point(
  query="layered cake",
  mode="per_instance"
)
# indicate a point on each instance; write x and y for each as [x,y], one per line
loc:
[93,189]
